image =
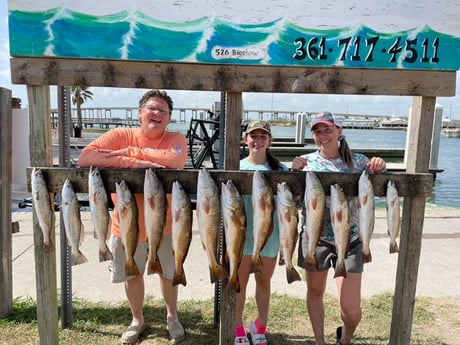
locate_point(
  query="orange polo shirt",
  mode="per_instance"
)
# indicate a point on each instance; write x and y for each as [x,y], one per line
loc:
[170,150]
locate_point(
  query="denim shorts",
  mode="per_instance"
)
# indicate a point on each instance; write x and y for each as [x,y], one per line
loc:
[326,255]
[140,257]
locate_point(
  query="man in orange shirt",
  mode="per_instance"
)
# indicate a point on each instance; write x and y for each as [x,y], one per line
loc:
[149,146]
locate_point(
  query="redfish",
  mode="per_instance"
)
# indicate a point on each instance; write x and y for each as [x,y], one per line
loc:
[288,220]
[208,212]
[181,209]
[127,219]
[72,223]
[155,208]
[262,207]
[234,217]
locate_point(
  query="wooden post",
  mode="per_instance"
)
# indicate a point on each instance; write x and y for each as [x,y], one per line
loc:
[418,160]
[234,109]
[6,264]
[41,154]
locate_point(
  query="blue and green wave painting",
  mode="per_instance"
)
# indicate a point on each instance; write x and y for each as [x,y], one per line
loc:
[131,35]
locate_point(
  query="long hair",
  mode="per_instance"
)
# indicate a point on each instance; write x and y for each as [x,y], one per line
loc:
[273,161]
[345,153]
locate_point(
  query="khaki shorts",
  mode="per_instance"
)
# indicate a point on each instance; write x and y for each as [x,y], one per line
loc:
[326,255]
[140,257]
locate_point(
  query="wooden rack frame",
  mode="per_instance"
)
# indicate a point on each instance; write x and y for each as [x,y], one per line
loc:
[423,85]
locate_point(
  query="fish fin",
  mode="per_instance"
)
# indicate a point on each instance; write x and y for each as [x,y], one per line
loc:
[217,272]
[367,257]
[154,266]
[93,198]
[262,204]
[109,228]
[177,216]
[311,262]
[287,215]
[131,268]
[292,275]
[78,258]
[179,277]
[82,234]
[314,203]
[151,202]
[48,246]
[257,266]
[105,255]
[339,215]
[340,270]
[206,206]
[234,283]
[394,247]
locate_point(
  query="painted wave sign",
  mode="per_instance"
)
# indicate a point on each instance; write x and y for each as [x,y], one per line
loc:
[132,35]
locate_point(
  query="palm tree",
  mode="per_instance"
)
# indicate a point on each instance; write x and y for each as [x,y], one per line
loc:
[80,94]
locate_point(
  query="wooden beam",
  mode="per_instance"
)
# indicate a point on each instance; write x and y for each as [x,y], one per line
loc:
[6,242]
[408,184]
[232,78]
[41,154]
[233,113]
[418,161]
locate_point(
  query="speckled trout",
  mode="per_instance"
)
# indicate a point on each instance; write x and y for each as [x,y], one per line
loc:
[72,223]
[393,215]
[100,216]
[43,207]
[288,219]
[341,227]
[366,213]
[234,229]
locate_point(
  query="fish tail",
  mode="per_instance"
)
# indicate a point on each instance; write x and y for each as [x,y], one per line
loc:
[367,255]
[131,268]
[257,264]
[48,246]
[218,272]
[179,277]
[292,275]
[78,258]
[234,283]
[311,262]
[394,247]
[105,255]
[154,265]
[340,270]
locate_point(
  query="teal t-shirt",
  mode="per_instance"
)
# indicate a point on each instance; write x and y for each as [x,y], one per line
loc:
[272,246]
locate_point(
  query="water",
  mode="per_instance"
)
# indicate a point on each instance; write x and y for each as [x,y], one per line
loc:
[445,190]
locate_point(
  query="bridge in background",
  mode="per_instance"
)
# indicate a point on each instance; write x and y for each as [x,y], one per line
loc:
[107,117]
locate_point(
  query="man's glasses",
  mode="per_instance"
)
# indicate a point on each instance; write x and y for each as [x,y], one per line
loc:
[156,110]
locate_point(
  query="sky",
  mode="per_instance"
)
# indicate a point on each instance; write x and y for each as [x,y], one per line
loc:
[344,104]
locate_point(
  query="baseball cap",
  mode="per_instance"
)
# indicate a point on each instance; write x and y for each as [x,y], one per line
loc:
[253,125]
[327,118]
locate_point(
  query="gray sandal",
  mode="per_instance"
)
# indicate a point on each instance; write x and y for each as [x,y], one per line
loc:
[132,333]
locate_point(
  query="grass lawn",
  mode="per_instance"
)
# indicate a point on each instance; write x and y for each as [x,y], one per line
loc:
[436,321]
